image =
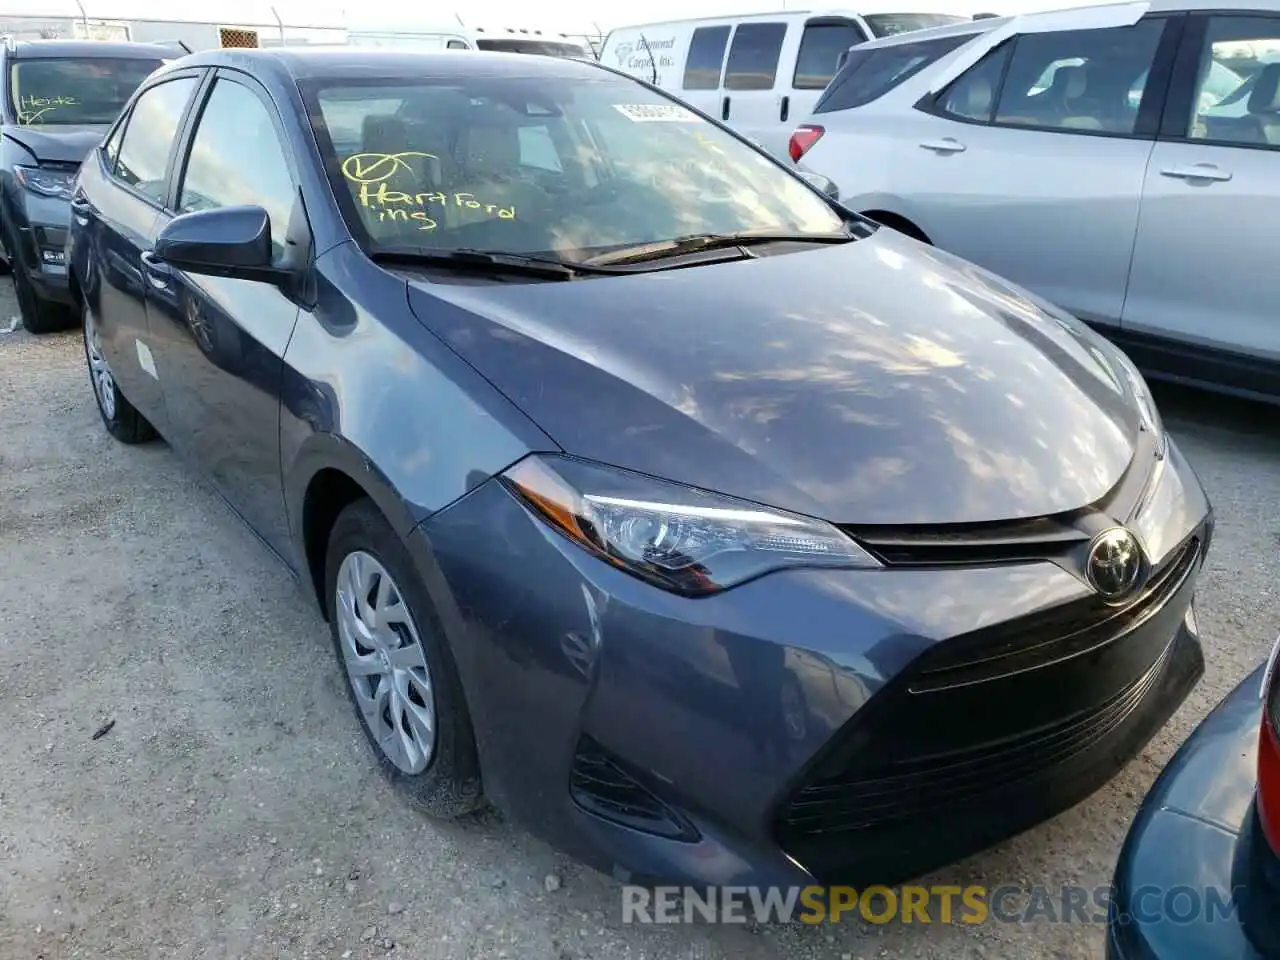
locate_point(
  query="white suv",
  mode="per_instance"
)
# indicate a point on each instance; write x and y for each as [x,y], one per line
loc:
[1121,161]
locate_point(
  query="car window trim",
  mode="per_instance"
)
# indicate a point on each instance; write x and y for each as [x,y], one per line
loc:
[1175,120]
[187,134]
[199,74]
[1146,124]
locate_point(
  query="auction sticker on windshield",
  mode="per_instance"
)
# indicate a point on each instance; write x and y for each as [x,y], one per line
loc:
[656,113]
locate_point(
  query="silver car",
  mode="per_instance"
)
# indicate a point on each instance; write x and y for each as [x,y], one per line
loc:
[1122,161]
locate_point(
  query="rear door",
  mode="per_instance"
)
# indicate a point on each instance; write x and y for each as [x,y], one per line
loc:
[1206,246]
[754,84]
[1032,162]
[704,67]
[220,341]
[121,193]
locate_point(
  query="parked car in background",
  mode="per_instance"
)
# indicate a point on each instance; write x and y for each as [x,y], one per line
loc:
[715,533]
[757,73]
[1121,161]
[58,99]
[1199,875]
[504,40]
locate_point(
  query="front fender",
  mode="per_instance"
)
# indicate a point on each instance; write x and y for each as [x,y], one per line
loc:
[369,391]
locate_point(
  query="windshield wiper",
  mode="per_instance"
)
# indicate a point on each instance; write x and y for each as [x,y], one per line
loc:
[492,260]
[710,241]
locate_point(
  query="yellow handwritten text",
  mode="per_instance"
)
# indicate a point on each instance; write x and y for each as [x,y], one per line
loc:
[31,109]
[393,204]
[376,167]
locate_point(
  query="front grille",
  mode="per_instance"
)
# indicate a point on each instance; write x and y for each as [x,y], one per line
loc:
[1066,631]
[969,544]
[599,783]
[1000,712]
[930,786]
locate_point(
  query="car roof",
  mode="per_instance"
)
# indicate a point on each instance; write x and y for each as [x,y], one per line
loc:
[1062,17]
[346,62]
[739,17]
[965,28]
[87,49]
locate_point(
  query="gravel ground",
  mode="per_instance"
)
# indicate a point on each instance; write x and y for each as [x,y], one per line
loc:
[233,809]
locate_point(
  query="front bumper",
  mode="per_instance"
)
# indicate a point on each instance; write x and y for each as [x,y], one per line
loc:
[39,240]
[1197,833]
[815,725]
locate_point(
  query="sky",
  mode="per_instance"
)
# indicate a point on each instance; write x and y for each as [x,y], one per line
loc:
[551,14]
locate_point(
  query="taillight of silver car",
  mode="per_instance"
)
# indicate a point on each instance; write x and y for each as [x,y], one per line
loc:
[803,139]
[1269,753]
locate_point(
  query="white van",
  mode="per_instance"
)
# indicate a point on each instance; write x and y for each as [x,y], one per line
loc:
[759,73]
[502,39]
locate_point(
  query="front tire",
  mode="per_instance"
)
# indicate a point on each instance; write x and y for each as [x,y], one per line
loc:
[119,416]
[38,315]
[401,676]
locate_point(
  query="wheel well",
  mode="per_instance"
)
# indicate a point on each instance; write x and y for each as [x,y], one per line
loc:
[899,223]
[328,494]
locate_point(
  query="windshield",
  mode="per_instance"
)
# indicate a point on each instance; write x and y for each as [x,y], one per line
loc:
[888,24]
[547,48]
[65,91]
[564,167]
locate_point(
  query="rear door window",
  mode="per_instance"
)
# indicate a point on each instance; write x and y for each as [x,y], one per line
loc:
[869,74]
[753,57]
[706,58]
[1079,80]
[820,50]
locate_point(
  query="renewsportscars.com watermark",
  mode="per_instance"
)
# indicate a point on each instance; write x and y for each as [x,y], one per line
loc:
[971,905]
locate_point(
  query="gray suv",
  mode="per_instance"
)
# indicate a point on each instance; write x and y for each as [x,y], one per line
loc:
[57,99]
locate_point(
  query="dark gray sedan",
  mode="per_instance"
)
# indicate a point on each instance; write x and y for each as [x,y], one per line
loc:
[710,530]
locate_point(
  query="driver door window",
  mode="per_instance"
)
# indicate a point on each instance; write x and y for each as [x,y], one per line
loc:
[148,139]
[236,158]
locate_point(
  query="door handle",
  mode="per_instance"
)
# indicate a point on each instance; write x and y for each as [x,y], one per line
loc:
[1197,171]
[158,273]
[786,108]
[945,145]
[724,109]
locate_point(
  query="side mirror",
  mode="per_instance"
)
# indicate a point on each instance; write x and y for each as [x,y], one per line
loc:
[825,184]
[226,242]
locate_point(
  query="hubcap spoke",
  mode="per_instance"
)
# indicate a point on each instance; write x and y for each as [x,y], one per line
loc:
[386,666]
[99,373]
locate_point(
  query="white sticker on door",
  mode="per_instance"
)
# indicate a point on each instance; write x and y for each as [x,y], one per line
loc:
[145,360]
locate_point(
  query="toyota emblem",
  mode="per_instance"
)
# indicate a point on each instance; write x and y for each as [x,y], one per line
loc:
[1114,567]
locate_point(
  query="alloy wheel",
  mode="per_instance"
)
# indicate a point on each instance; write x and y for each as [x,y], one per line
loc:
[385,664]
[104,385]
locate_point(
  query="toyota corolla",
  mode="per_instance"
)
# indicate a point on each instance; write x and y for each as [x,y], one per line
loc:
[710,530]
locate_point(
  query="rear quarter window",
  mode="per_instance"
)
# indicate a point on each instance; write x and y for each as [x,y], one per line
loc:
[868,75]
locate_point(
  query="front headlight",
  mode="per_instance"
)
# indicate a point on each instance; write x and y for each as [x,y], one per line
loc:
[47,183]
[683,539]
[1150,416]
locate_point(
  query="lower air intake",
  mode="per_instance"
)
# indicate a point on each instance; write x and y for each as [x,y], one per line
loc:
[599,784]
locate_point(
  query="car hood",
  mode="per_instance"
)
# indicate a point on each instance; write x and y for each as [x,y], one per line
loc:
[875,382]
[69,144]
